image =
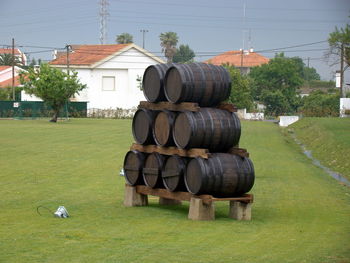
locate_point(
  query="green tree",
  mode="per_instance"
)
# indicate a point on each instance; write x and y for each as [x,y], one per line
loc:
[52,85]
[338,39]
[241,95]
[183,54]
[168,42]
[124,38]
[310,74]
[306,73]
[6,60]
[281,74]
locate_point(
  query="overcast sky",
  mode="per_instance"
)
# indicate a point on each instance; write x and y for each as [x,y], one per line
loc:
[208,27]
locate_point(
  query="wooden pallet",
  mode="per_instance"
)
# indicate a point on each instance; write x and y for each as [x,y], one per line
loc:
[184,106]
[194,152]
[201,206]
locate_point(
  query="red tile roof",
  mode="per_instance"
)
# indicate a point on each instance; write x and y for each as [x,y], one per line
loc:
[88,54]
[4,67]
[9,51]
[234,58]
[8,82]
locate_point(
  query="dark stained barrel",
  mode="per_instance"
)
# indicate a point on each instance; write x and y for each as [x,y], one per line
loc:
[153,82]
[133,164]
[221,175]
[162,128]
[210,128]
[152,170]
[142,124]
[173,173]
[206,84]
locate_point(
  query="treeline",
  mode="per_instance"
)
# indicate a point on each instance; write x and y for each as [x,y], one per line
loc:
[277,85]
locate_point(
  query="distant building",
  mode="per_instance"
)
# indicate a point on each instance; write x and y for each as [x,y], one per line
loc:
[18,53]
[112,73]
[243,60]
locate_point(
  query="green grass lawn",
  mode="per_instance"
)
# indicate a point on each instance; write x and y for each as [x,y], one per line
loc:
[329,140]
[300,214]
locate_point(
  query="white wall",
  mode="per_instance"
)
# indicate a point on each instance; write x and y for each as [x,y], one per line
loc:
[344,105]
[287,120]
[125,68]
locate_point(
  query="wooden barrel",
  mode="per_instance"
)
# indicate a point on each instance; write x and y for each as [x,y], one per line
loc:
[153,82]
[142,124]
[210,128]
[221,175]
[133,164]
[173,173]
[162,128]
[206,84]
[152,170]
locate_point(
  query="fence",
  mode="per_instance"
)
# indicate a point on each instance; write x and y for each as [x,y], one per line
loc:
[37,109]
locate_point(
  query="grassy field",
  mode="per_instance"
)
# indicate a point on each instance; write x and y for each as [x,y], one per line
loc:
[329,140]
[300,214]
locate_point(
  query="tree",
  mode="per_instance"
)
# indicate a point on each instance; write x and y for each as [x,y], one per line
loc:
[338,39]
[6,60]
[124,38]
[168,42]
[241,95]
[306,73]
[52,85]
[183,54]
[281,74]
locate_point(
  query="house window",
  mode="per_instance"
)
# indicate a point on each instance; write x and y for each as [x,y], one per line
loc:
[108,83]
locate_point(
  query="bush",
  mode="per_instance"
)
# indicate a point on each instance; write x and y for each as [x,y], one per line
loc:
[320,104]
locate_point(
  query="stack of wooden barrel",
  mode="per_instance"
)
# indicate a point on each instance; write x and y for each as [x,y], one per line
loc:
[204,126]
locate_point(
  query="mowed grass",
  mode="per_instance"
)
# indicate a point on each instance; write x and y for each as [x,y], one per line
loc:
[300,214]
[329,140]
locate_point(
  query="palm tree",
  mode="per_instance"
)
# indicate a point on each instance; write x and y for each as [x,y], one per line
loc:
[168,42]
[124,38]
[6,60]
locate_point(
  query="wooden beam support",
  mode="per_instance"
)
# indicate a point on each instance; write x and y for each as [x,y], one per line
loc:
[194,152]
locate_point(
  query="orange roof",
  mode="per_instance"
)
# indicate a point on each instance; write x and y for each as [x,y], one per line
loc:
[9,51]
[234,58]
[4,67]
[8,82]
[88,54]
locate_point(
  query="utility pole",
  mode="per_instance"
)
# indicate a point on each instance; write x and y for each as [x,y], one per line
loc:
[143,31]
[13,70]
[341,70]
[68,48]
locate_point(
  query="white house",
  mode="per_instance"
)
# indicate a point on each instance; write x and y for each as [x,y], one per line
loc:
[111,72]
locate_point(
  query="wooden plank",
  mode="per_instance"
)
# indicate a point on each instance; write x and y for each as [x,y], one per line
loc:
[181,196]
[239,151]
[165,105]
[227,106]
[194,152]
[186,196]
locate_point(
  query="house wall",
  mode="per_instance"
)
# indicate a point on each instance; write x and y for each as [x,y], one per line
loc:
[7,73]
[125,68]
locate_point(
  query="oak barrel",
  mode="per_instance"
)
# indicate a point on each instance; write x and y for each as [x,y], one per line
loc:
[133,164]
[153,82]
[152,170]
[206,84]
[162,128]
[173,173]
[210,128]
[221,175]
[142,124]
